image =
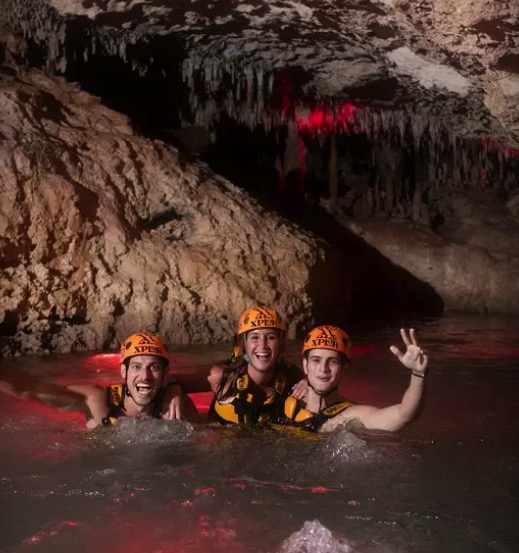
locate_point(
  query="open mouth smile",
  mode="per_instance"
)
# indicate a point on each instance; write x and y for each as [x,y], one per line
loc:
[145,389]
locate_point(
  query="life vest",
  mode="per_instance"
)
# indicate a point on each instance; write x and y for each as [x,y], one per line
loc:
[294,413]
[115,394]
[238,406]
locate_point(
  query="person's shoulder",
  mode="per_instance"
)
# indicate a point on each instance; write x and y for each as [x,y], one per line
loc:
[351,413]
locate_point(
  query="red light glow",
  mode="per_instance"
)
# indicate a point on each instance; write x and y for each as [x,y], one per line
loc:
[363,350]
[324,119]
[202,401]
[507,151]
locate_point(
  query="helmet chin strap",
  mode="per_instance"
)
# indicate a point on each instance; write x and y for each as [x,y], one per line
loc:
[126,388]
[244,349]
[323,395]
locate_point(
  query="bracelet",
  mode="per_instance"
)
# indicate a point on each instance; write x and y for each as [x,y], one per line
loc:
[419,375]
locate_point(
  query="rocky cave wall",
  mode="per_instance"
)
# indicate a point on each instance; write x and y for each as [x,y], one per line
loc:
[429,88]
[104,233]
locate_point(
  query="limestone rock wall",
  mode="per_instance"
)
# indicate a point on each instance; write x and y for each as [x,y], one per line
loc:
[103,233]
[481,37]
[473,268]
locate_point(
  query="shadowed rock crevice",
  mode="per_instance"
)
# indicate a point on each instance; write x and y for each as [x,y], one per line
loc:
[357,282]
[427,108]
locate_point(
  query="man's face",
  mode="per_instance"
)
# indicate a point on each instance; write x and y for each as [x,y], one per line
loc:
[263,347]
[323,369]
[144,377]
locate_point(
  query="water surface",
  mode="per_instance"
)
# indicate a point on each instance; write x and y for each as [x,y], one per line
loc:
[447,483]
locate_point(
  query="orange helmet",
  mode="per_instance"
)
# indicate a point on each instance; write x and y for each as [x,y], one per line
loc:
[260,317]
[328,337]
[143,344]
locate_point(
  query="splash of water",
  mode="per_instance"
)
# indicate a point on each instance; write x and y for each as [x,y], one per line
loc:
[136,431]
[315,538]
[348,448]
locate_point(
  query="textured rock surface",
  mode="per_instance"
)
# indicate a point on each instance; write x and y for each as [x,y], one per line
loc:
[103,233]
[481,38]
[146,235]
[458,62]
[472,263]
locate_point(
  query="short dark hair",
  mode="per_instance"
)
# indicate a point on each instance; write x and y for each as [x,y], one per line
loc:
[342,357]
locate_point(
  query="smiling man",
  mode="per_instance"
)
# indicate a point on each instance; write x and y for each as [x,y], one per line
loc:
[144,365]
[326,351]
[145,390]
[255,385]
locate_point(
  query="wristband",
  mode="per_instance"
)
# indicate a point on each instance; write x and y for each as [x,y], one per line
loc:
[419,375]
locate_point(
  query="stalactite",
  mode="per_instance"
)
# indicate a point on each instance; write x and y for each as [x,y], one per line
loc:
[416,202]
[219,77]
[332,171]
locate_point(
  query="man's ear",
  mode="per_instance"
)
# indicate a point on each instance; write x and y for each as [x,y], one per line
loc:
[305,365]
[123,371]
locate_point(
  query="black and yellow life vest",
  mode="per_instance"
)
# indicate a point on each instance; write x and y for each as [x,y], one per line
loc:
[115,400]
[115,394]
[238,406]
[294,414]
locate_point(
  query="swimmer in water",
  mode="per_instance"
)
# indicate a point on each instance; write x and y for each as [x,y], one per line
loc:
[326,351]
[255,385]
[144,366]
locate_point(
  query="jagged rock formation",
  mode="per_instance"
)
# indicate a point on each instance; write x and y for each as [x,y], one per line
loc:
[429,87]
[104,232]
[458,63]
[481,38]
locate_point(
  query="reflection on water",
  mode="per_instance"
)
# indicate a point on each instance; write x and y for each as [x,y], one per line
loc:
[448,483]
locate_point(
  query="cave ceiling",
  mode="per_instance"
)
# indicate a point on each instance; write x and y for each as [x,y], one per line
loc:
[455,67]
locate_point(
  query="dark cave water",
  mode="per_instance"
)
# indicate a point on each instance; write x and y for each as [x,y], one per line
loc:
[447,483]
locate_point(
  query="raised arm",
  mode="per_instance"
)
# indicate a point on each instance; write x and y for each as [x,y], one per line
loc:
[397,416]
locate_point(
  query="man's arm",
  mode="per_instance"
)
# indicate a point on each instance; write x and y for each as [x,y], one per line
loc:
[391,418]
[87,398]
[95,401]
[178,406]
[394,417]
[20,384]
